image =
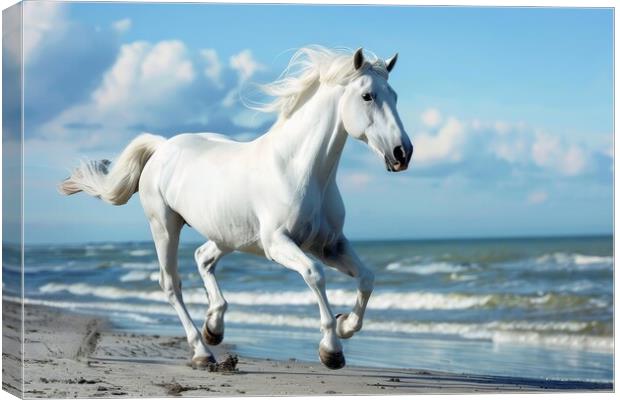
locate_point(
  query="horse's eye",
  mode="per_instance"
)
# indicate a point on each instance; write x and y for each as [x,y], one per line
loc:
[367,96]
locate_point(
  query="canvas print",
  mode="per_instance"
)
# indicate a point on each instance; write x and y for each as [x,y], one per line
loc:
[213,200]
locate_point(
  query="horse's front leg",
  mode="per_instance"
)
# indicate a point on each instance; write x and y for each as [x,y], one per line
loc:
[285,252]
[206,257]
[342,257]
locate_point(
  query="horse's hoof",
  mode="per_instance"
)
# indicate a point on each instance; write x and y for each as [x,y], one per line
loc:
[332,360]
[212,338]
[340,318]
[203,362]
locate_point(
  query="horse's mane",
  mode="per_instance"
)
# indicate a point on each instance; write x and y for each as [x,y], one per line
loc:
[310,66]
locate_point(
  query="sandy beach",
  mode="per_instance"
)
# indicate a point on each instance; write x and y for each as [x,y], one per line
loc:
[70,355]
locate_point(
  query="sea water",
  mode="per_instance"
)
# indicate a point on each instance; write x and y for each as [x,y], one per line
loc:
[531,307]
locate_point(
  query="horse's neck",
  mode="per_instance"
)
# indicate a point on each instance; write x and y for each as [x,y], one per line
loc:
[311,140]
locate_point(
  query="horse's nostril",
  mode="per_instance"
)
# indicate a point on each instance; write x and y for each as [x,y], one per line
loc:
[399,154]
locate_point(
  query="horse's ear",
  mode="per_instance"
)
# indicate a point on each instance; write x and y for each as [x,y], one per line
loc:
[358,58]
[390,62]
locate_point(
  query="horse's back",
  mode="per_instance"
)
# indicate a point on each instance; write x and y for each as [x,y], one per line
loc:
[200,141]
[203,178]
[203,152]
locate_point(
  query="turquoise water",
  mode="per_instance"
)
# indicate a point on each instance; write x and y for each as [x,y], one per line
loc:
[540,308]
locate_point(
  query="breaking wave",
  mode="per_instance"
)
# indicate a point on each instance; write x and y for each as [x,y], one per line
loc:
[139,275]
[425,269]
[575,260]
[559,334]
[140,252]
[338,297]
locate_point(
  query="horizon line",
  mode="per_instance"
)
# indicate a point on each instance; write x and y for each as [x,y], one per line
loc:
[367,240]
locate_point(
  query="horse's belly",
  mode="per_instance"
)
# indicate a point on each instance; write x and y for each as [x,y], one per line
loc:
[222,222]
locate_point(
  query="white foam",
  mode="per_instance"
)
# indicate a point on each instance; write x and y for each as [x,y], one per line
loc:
[576,260]
[106,292]
[425,269]
[462,278]
[12,267]
[109,307]
[30,269]
[94,250]
[576,286]
[139,275]
[577,342]
[143,319]
[140,265]
[581,259]
[91,252]
[338,297]
[105,246]
[543,333]
[140,252]
[561,334]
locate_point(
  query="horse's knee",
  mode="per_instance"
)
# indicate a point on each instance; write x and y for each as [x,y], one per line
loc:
[169,293]
[314,275]
[205,256]
[170,287]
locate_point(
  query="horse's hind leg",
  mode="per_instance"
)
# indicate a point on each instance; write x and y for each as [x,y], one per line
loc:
[207,257]
[166,227]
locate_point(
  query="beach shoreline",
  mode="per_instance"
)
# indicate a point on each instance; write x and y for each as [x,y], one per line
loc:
[72,355]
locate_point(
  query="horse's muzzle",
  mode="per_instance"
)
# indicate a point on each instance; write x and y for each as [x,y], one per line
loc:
[399,160]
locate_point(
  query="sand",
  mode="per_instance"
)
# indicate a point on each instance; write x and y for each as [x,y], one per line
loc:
[70,355]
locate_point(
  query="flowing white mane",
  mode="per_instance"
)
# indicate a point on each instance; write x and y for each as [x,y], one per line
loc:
[310,66]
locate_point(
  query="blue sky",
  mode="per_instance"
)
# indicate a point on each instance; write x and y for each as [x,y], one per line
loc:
[510,109]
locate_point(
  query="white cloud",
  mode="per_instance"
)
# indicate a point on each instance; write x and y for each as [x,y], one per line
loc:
[545,149]
[502,127]
[496,146]
[245,65]
[43,20]
[445,146]
[573,161]
[159,87]
[513,150]
[144,85]
[537,197]
[213,70]
[122,26]
[431,117]
[549,152]
[144,75]
[231,97]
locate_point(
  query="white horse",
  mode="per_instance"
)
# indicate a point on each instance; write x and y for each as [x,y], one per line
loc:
[275,196]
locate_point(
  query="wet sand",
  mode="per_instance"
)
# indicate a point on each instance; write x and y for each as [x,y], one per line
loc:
[70,355]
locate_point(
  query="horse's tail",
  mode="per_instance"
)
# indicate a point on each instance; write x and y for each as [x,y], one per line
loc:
[117,184]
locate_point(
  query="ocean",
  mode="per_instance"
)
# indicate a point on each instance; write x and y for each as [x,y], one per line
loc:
[530,307]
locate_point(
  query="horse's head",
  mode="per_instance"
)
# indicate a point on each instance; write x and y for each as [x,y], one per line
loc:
[368,111]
